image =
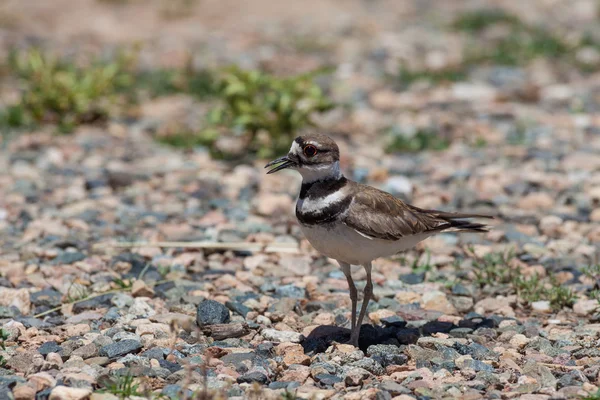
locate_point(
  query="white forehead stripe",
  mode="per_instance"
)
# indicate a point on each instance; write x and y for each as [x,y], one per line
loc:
[295,148]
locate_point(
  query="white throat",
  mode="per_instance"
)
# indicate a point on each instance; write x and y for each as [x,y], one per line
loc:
[312,173]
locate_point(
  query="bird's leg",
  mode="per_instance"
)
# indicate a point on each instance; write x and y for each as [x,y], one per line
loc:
[368,293]
[353,294]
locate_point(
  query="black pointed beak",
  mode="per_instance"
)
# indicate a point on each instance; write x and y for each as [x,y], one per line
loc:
[284,162]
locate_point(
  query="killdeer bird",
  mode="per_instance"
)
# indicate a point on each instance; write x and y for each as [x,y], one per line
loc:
[355,223]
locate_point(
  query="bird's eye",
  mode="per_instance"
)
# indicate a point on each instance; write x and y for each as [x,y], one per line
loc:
[310,150]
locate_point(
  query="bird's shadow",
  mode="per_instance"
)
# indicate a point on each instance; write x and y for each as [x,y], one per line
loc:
[397,334]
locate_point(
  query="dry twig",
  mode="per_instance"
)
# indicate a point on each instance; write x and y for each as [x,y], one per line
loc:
[236,246]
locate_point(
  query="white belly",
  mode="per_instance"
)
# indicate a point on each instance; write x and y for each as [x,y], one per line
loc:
[343,243]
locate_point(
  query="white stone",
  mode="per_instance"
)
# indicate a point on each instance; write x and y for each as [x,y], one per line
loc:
[586,307]
[541,306]
[69,393]
[282,336]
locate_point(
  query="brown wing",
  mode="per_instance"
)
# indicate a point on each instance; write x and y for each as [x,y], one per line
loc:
[377,214]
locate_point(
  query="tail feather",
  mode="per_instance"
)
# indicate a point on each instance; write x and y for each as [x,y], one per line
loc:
[457,221]
[465,226]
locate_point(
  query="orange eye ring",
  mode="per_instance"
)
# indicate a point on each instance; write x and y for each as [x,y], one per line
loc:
[310,150]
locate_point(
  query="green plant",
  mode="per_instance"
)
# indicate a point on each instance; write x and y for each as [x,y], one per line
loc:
[189,139]
[289,395]
[4,335]
[518,134]
[254,102]
[560,296]
[478,20]
[519,46]
[528,289]
[163,270]
[13,117]
[160,82]
[593,396]
[422,139]
[123,284]
[592,271]
[535,288]
[493,269]
[61,92]
[172,9]
[448,74]
[426,266]
[123,386]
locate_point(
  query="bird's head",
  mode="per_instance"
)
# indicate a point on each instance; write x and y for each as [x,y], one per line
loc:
[315,156]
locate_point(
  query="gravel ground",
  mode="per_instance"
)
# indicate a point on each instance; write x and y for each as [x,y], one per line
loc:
[509,314]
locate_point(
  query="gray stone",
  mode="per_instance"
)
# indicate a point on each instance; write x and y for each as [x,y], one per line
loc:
[475,350]
[21,362]
[238,360]
[69,257]
[87,351]
[355,376]
[50,347]
[387,355]
[394,321]
[291,291]
[370,364]
[212,312]
[475,365]
[328,379]
[112,314]
[460,332]
[238,308]
[393,387]
[461,290]
[119,349]
[155,352]
[9,312]
[413,278]
[122,300]
[46,298]
[70,346]
[383,349]
[175,392]
[251,377]
[30,322]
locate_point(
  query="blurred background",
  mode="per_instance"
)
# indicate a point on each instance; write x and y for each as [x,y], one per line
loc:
[241,79]
[151,120]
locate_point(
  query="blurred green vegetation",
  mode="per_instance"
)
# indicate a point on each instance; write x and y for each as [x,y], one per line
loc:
[448,74]
[517,44]
[60,92]
[253,101]
[247,104]
[164,82]
[409,142]
[122,386]
[261,110]
[187,139]
[593,396]
[521,44]
[494,269]
[478,20]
